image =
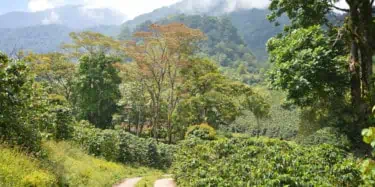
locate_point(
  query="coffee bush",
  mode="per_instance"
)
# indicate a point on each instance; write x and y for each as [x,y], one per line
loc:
[262,162]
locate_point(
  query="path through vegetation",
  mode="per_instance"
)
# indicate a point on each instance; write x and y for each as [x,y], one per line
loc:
[168,182]
[129,182]
[132,182]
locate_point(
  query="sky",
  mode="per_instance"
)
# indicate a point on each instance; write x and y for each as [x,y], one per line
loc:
[131,8]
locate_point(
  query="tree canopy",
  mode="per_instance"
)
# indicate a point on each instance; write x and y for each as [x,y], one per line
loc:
[96,90]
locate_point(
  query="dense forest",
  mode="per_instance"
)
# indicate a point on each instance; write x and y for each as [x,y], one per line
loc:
[193,99]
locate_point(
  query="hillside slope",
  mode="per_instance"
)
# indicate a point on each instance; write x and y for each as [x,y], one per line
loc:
[44,38]
[250,20]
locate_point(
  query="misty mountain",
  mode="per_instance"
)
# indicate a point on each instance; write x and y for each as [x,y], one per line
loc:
[75,17]
[249,18]
[41,39]
[45,38]
[44,31]
[256,29]
[197,7]
[223,43]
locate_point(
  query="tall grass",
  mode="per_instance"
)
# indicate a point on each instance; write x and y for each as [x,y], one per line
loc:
[75,168]
[19,169]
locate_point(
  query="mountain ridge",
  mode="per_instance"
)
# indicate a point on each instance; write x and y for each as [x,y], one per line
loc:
[73,16]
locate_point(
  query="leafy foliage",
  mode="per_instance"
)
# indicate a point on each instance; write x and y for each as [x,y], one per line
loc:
[62,118]
[353,38]
[327,135]
[262,162]
[307,67]
[283,121]
[92,43]
[54,71]
[213,98]
[96,90]
[368,165]
[118,145]
[19,114]
[19,169]
[203,131]
[224,44]
[160,55]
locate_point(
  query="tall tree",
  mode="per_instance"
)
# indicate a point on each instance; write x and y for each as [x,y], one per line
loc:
[160,53]
[357,33]
[96,91]
[92,43]
[209,97]
[55,70]
[135,98]
[19,109]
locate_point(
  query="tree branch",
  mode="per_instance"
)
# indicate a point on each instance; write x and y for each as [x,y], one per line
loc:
[341,9]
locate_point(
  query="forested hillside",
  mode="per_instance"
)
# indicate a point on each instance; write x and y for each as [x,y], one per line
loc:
[44,38]
[256,30]
[40,39]
[250,21]
[251,25]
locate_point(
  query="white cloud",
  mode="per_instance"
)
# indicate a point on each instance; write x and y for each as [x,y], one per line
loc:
[52,19]
[133,8]
[38,5]
[231,5]
[341,4]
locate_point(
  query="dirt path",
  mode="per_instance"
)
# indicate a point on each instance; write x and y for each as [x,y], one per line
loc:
[168,182]
[129,182]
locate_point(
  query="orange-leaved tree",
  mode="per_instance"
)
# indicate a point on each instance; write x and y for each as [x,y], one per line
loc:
[160,54]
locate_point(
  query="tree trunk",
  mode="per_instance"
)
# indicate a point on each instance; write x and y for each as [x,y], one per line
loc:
[355,79]
[169,132]
[258,127]
[366,42]
[354,63]
[361,57]
[138,122]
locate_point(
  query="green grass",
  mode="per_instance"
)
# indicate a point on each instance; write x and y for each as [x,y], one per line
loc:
[64,165]
[19,169]
[149,180]
[75,168]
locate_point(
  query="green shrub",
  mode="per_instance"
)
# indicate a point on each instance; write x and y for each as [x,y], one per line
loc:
[105,144]
[19,111]
[203,131]
[144,151]
[368,165]
[61,119]
[262,162]
[84,133]
[327,135]
[63,123]
[19,169]
[283,123]
[38,179]
[119,145]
